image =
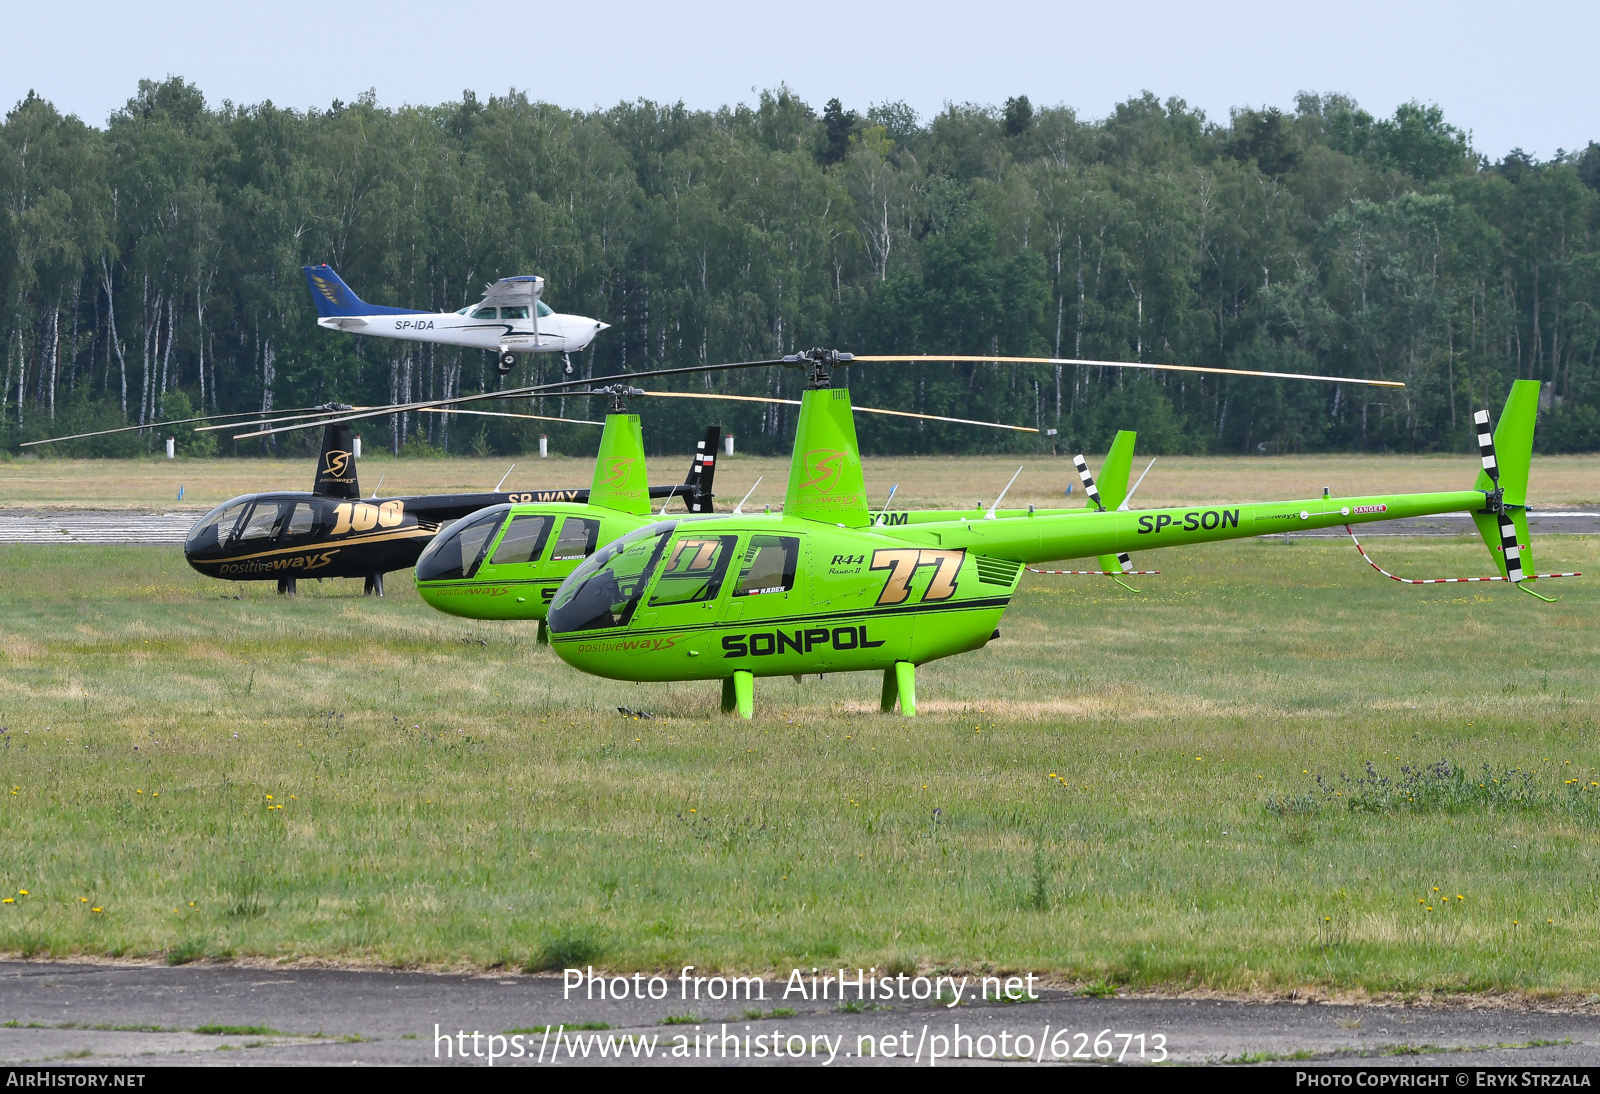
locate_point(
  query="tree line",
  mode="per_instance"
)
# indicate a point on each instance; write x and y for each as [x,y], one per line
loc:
[151,268]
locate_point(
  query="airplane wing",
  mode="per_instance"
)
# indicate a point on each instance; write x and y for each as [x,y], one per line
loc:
[514,291]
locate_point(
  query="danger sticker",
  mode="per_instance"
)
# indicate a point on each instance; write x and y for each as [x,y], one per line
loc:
[1371,509]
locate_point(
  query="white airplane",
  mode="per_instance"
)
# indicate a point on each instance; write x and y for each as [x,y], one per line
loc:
[510,319]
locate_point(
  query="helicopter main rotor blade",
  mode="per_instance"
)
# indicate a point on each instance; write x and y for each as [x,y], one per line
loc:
[862,409]
[555,388]
[158,425]
[506,414]
[422,410]
[967,358]
[288,416]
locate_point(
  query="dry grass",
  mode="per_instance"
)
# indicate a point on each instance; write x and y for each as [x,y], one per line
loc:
[925,482]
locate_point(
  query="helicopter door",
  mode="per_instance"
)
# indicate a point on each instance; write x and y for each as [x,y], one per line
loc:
[576,541]
[302,522]
[765,585]
[690,583]
[572,541]
[261,525]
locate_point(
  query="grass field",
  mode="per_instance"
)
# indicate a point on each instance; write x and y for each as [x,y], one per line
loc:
[1123,788]
[924,481]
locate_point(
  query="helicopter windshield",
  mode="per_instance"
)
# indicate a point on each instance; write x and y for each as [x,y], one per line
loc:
[604,590]
[214,527]
[456,552]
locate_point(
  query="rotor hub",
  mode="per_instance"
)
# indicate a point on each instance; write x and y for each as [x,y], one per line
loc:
[822,362]
[620,394]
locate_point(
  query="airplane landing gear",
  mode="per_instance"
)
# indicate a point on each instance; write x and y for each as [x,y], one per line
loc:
[374,586]
[566,362]
[506,361]
[286,587]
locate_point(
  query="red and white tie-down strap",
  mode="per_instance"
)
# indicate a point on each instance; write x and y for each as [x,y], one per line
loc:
[1101,573]
[1431,580]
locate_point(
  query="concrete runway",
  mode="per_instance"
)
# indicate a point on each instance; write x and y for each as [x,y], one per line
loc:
[69,1013]
[90,526]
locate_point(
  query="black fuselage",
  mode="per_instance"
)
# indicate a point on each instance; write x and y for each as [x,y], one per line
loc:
[295,534]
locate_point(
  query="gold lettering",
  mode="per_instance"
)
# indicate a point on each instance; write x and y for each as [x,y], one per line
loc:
[946,564]
[341,524]
[901,564]
[391,513]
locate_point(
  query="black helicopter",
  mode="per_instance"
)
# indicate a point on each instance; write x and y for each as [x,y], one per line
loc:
[333,532]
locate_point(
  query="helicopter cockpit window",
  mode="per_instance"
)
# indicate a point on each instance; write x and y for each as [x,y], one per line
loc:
[544,309]
[604,591]
[301,521]
[769,565]
[458,551]
[514,313]
[215,526]
[261,523]
[523,540]
[577,539]
[694,571]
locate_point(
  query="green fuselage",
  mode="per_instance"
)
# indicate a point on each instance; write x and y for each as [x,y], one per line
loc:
[864,599]
[511,586]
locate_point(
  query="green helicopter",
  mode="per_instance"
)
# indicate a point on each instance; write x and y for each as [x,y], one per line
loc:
[823,588]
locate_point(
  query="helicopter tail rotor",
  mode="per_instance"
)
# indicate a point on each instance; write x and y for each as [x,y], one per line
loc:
[703,470]
[1506,453]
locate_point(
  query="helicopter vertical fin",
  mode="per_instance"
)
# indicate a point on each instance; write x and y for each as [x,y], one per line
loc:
[703,470]
[336,464]
[1513,443]
[1113,477]
[825,479]
[620,478]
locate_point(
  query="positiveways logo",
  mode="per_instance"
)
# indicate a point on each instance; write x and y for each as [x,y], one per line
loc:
[617,469]
[822,469]
[336,464]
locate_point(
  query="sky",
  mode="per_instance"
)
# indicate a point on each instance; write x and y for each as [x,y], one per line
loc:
[1514,75]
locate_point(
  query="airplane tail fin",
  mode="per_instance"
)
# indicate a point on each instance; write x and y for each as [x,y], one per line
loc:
[331,295]
[336,464]
[620,478]
[703,470]
[1506,456]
